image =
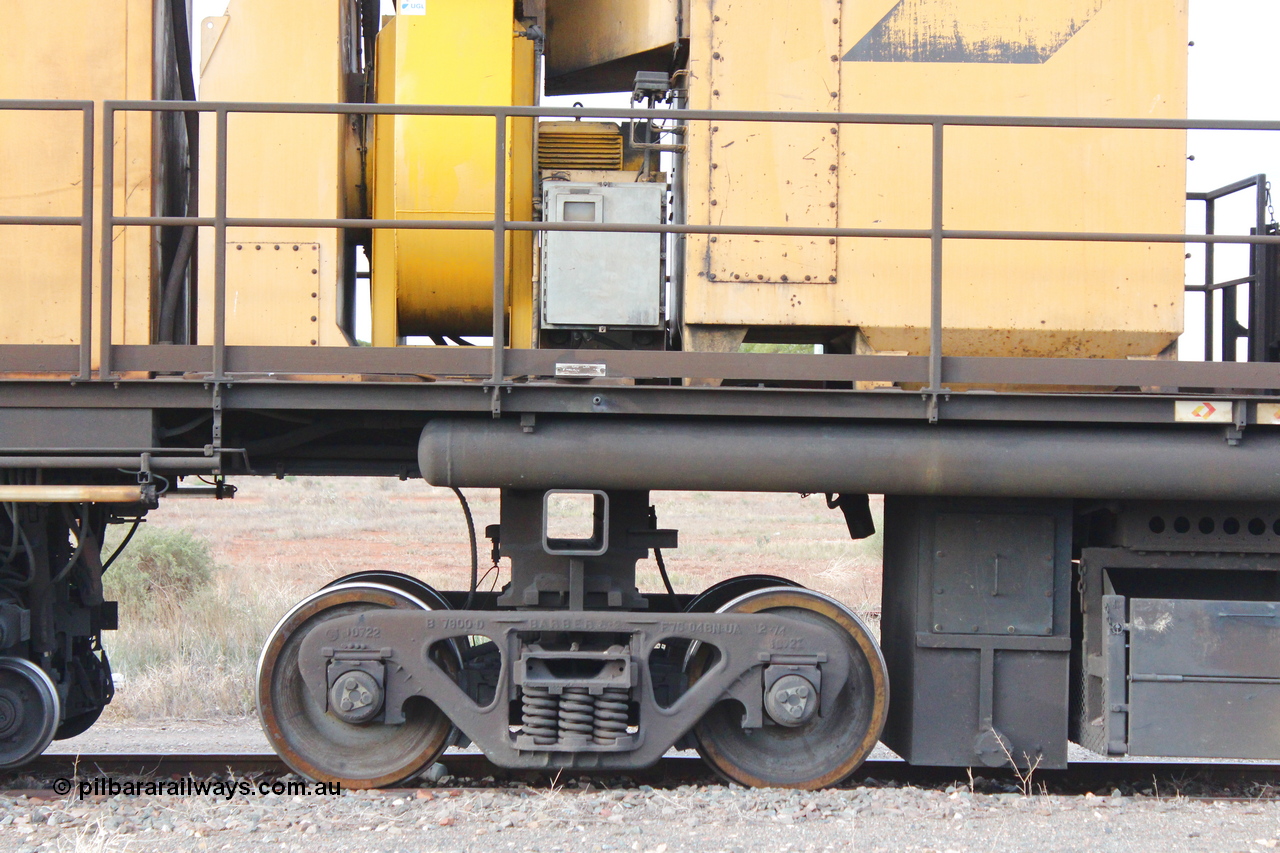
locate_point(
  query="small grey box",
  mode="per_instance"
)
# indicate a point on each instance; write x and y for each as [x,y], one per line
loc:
[602,279]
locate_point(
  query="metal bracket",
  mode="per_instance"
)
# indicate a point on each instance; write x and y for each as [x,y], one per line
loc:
[343,662]
[216,444]
[810,672]
[144,469]
[931,402]
[1239,419]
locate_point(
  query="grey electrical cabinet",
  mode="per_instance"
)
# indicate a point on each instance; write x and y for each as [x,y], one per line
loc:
[602,279]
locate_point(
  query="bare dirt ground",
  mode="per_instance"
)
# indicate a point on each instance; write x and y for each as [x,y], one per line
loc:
[307,531]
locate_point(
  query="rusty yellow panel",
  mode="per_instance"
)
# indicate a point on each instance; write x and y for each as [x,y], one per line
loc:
[291,270]
[787,172]
[442,168]
[523,320]
[981,57]
[753,174]
[597,45]
[92,51]
[278,166]
[1065,57]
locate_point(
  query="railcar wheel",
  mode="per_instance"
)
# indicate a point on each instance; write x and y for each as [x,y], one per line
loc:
[716,596]
[77,725]
[29,711]
[412,587]
[408,584]
[721,593]
[314,742]
[822,749]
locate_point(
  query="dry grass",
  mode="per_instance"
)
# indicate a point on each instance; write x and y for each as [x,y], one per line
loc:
[280,540]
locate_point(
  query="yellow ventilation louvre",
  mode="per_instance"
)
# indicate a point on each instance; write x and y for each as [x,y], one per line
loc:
[579,145]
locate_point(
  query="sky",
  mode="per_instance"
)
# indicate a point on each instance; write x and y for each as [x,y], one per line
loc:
[1231,76]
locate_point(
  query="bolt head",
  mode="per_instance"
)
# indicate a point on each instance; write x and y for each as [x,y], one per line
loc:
[355,697]
[791,701]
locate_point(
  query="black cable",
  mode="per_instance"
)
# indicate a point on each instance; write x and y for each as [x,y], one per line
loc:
[172,290]
[83,528]
[657,555]
[120,548]
[475,554]
[19,535]
[662,570]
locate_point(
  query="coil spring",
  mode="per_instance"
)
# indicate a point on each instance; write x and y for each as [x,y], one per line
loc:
[577,711]
[612,710]
[538,714]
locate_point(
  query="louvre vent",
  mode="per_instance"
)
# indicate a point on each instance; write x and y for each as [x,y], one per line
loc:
[579,145]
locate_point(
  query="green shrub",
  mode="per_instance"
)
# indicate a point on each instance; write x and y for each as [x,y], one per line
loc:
[160,566]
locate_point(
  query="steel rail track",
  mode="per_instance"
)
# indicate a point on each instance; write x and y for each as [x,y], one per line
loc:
[1217,780]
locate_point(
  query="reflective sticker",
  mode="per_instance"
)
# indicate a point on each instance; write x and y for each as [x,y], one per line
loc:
[1202,411]
[577,371]
[1269,413]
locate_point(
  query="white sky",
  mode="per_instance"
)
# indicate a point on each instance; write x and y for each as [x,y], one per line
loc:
[1232,76]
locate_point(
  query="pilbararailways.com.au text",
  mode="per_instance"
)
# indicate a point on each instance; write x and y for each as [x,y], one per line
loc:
[105,786]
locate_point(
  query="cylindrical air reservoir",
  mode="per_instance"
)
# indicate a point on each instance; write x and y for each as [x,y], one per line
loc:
[438,282]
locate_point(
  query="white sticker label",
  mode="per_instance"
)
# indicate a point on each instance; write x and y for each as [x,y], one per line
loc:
[1269,413]
[413,7]
[1202,411]
[573,370]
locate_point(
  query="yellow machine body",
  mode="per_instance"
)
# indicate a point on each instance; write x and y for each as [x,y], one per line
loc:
[987,57]
[283,284]
[88,50]
[437,282]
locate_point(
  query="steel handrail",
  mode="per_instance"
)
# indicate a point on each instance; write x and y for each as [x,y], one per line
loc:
[84,220]
[499,225]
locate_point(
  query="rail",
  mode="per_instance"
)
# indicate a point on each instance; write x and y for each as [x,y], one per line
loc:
[221,363]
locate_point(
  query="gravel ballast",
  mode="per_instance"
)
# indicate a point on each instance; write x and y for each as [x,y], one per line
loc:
[578,817]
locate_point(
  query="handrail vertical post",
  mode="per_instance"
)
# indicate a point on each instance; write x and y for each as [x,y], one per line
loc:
[499,256]
[108,229]
[86,247]
[1259,304]
[220,247]
[1208,282]
[935,275]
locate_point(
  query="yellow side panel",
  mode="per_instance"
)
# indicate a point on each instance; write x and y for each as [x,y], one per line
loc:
[278,166]
[765,174]
[442,167]
[520,291]
[1119,58]
[84,50]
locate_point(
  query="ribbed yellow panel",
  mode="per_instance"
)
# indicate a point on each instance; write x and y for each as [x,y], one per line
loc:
[1105,58]
[442,168]
[579,145]
[85,49]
